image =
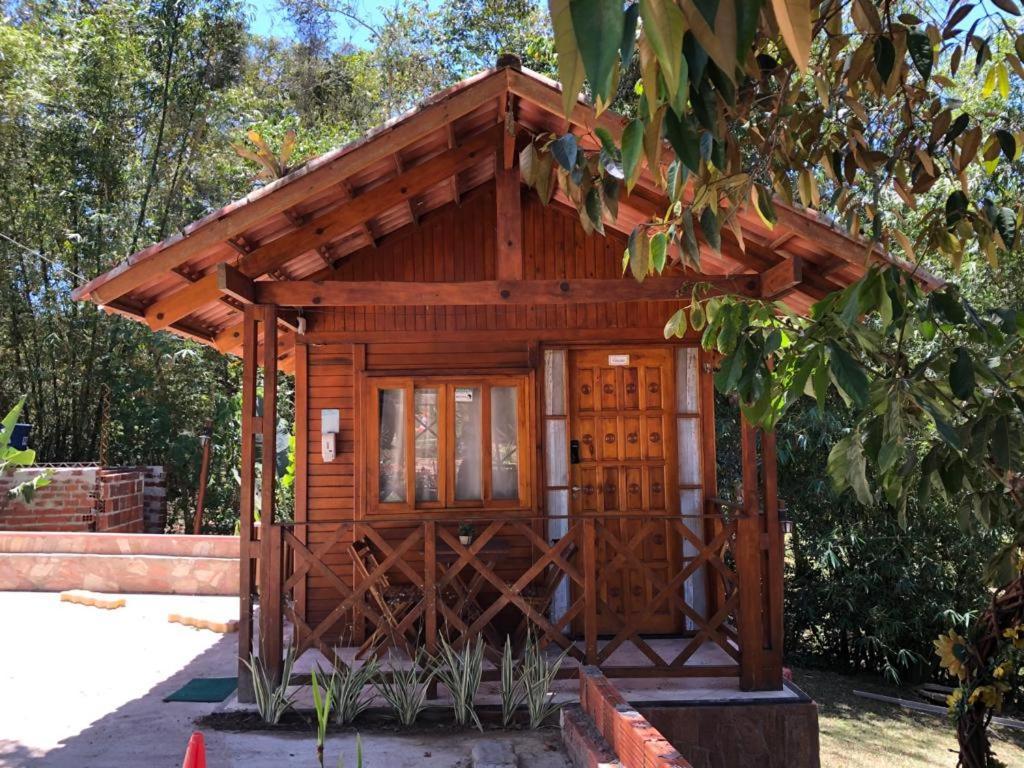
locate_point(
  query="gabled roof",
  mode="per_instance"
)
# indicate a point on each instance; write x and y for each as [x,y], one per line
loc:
[300,226]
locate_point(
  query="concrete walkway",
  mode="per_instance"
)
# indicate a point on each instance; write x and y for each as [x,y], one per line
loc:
[82,687]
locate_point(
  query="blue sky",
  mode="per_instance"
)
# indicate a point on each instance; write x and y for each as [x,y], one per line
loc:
[266,18]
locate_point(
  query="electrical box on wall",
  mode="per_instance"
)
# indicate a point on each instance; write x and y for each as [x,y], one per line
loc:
[329,446]
[330,425]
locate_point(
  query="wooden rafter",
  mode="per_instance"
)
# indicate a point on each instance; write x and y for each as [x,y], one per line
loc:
[454,181]
[349,195]
[409,201]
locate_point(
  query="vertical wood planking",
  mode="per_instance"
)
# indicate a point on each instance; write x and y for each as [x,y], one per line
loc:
[271,604]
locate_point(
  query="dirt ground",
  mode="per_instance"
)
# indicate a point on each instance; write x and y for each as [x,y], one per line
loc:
[81,687]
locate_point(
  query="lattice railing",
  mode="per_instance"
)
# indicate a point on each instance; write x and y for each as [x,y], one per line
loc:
[400,583]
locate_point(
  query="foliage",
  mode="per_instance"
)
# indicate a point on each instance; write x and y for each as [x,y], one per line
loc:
[349,684]
[513,691]
[405,690]
[323,702]
[12,459]
[461,672]
[272,697]
[845,105]
[538,675]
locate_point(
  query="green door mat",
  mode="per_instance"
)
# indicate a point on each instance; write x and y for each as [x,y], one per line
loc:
[207,689]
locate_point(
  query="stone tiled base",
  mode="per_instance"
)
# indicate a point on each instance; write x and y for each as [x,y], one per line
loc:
[82,597]
[153,574]
[51,542]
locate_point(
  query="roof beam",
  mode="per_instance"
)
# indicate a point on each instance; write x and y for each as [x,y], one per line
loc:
[231,282]
[314,178]
[334,293]
[454,181]
[162,312]
[399,171]
[781,279]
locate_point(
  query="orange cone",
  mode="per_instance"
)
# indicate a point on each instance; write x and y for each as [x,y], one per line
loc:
[195,755]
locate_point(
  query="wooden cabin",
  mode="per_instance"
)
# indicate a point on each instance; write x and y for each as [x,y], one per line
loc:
[494,437]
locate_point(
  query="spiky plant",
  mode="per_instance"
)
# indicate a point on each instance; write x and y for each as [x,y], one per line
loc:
[538,674]
[405,690]
[349,685]
[513,692]
[323,701]
[272,698]
[461,672]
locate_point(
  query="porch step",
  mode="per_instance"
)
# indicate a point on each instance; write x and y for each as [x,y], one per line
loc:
[119,563]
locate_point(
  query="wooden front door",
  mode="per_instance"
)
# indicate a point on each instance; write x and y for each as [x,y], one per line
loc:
[621,414]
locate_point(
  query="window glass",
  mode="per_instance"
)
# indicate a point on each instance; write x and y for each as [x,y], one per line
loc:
[391,448]
[468,444]
[504,443]
[425,424]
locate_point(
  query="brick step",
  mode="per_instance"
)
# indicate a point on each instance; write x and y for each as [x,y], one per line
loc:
[134,573]
[118,544]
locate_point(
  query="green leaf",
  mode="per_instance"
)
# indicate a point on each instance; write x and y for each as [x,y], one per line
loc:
[848,374]
[961,374]
[1001,443]
[594,209]
[697,316]
[688,241]
[794,20]
[921,53]
[885,57]
[676,325]
[628,44]
[632,151]
[1007,143]
[639,254]
[711,229]
[765,206]
[565,150]
[1006,225]
[664,27]
[598,26]
[956,208]
[747,13]
[682,135]
[659,250]
[570,64]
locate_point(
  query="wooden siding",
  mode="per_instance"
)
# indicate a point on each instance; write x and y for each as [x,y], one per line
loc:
[455,243]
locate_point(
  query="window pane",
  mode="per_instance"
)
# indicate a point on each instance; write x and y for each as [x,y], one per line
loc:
[468,444]
[504,443]
[555,453]
[686,379]
[391,449]
[425,417]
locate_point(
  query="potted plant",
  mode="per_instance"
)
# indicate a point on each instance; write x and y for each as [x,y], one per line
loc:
[466,534]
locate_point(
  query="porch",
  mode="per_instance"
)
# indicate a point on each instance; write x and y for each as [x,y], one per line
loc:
[407,582]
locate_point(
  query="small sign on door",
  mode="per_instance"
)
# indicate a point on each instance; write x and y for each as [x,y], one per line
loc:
[463,395]
[618,360]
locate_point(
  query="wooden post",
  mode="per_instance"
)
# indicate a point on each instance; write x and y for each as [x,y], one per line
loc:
[430,595]
[247,503]
[509,234]
[204,469]
[271,604]
[748,565]
[590,589]
[758,568]
[774,567]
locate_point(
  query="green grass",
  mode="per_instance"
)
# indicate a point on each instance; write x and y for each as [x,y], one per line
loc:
[869,734]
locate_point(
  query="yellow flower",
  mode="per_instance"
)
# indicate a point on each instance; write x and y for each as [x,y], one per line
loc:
[952,650]
[954,699]
[999,672]
[988,695]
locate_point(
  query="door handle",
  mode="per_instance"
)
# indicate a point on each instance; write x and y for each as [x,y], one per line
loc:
[575,490]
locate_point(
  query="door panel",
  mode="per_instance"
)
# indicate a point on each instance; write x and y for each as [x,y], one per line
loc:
[618,414]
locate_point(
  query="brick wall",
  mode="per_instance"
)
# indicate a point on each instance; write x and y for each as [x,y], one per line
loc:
[88,498]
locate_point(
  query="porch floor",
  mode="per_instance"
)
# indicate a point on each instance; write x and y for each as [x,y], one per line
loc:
[676,690]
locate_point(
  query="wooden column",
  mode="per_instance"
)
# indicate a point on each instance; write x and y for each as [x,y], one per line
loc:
[758,565]
[590,589]
[509,234]
[247,504]
[271,602]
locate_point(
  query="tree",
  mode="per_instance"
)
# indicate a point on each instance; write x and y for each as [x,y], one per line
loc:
[852,108]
